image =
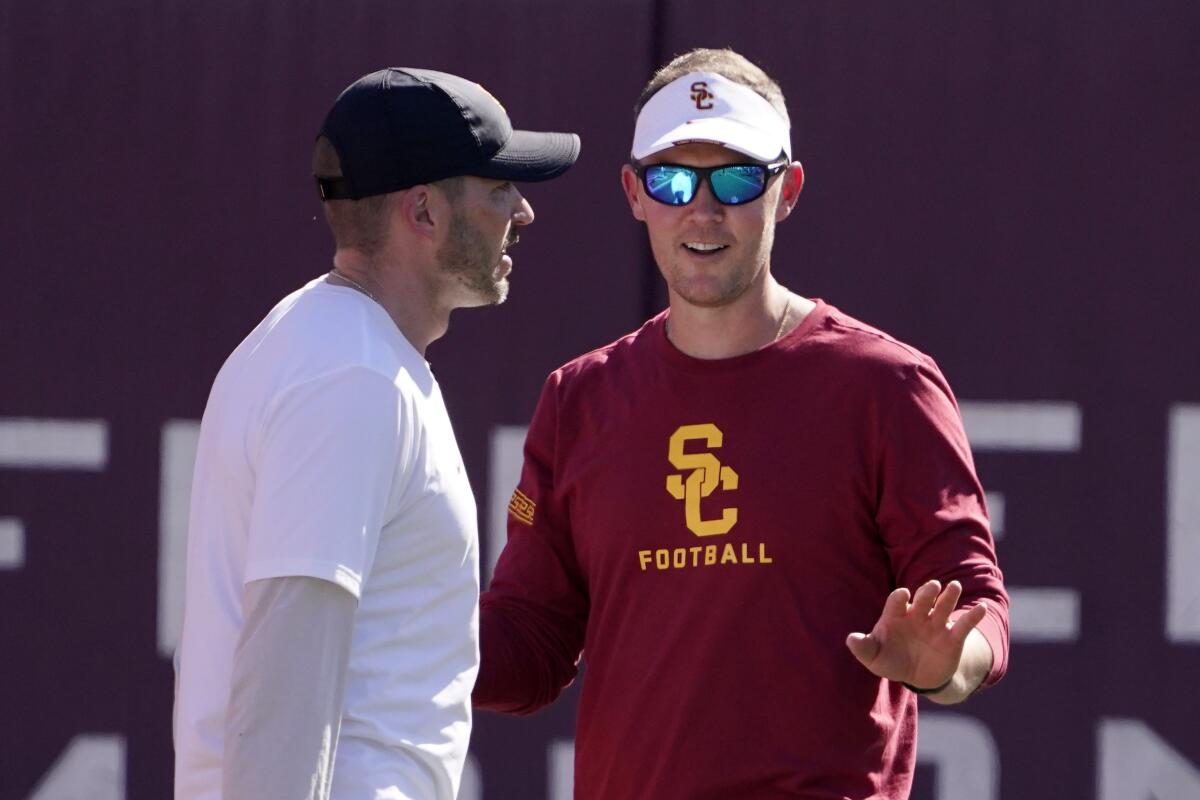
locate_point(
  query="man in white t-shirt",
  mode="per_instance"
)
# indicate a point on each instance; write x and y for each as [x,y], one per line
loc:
[330,627]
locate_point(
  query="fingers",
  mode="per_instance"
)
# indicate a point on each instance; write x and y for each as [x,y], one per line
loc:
[864,647]
[932,602]
[967,622]
[896,604]
[947,601]
[923,600]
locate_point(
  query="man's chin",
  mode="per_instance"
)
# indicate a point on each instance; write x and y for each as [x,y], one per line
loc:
[707,296]
[500,292]
[493,293]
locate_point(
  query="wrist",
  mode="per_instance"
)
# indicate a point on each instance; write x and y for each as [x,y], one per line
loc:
[933,690]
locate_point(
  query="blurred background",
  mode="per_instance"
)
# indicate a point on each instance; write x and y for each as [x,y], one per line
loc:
[1009,186]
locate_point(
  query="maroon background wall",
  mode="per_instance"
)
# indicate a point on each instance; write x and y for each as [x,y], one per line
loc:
[1009,186]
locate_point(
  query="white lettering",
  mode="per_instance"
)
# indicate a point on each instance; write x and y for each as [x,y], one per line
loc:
[45,444]
[91,766]
[176,458]
[1041,614]
[12,543]
[1183,524]
[1036,427]
[1135,764]
[506,456]
[964,753]
[54,444]
[471,787]
[995,505]
[560,758]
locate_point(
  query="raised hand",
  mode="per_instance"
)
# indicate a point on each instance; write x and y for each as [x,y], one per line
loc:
[914,642]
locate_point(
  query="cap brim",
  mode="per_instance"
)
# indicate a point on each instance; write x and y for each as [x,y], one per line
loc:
[532,156]
[755,142]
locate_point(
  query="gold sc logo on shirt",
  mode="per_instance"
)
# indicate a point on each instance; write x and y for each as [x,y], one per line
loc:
[706,474]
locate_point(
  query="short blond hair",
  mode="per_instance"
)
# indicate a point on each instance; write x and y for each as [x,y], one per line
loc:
[733,65]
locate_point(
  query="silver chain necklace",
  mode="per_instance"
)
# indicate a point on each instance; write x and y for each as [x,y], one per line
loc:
[352,282]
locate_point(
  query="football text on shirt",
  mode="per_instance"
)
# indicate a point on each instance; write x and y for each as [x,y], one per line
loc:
[706,474]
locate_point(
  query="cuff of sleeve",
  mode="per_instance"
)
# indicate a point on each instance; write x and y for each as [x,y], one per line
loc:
[994,627]
[340,574]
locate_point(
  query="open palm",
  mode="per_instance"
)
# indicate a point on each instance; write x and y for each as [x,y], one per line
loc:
[915,642]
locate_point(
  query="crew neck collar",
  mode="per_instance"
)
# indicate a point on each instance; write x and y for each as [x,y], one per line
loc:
[676,357]
[374,309]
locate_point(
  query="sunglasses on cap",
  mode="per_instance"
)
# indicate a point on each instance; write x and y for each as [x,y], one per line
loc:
[731,184]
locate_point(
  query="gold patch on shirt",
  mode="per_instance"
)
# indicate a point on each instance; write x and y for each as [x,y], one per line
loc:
[705,474]
[521,507]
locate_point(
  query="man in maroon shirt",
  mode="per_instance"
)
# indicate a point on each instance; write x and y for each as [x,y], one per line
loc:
[756,516]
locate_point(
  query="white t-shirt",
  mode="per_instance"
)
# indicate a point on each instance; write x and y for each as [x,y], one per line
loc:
[326,451]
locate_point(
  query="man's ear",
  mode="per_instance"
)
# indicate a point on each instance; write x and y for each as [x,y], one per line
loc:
[630,185]
[793,184]
[422,210]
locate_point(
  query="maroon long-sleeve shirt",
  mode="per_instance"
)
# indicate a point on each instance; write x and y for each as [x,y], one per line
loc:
[708,532]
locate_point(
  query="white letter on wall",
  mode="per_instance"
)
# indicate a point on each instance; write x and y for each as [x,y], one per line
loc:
[179,440]
[92,767]
[504,470]
[1135,764]
[560,764]
[964,753]
[1038,614]
[1183,524]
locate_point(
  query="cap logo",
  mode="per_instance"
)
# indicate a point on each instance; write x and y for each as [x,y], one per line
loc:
[702,96]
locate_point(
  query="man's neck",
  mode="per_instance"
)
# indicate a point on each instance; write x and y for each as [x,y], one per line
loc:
[401,293]
[756,319]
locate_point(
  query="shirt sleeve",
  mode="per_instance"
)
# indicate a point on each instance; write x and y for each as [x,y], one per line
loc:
[324,469]
[931,511]
[286,691]
[534,616]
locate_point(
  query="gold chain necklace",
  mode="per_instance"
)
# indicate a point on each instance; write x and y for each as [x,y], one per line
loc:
[787,307]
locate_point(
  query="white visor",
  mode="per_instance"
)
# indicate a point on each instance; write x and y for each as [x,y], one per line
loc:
[706,107]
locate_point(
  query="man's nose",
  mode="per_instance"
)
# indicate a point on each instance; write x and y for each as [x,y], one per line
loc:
[523,214]
[705,205]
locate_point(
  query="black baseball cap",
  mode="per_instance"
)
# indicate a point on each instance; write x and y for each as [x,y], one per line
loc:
[400,127]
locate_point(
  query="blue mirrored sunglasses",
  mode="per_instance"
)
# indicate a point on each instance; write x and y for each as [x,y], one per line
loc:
[731,184]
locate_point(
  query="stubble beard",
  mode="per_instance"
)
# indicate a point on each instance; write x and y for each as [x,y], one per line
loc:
[470,261]
[715,290]
[723,289]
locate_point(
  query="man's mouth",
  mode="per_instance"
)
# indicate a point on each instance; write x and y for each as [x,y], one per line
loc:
[504,265]
[704,248]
